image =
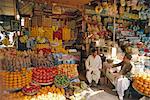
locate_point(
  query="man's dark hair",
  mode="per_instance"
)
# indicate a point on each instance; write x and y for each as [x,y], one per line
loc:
[93,50]
[128,56]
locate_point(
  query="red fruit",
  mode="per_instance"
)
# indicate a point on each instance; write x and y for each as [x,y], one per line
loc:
[33,79]
[40,81]
[47,74]
[41,77]
[51,80]
[49,77]
[37,88]
[47,81]
[48,70]
[44,78]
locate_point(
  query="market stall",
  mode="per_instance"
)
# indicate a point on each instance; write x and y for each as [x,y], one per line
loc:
[44,45]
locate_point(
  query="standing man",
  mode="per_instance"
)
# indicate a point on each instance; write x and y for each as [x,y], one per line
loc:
[93,67]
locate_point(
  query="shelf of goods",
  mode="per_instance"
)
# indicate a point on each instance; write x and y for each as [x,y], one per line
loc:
[44,75]
[70,70]
[13,81]
[141,83]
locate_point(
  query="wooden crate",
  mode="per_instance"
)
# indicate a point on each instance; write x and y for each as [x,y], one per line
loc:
[46,21]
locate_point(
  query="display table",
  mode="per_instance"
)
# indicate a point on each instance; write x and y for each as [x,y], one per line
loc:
[110,76]
[109,71]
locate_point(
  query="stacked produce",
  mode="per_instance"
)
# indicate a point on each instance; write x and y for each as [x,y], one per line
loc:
[52,89]
[42,31]
[45,93]
[41,46]
[70,70]
[17,79]
[56,46]
[42,58]
[142,83]
[44,75]
[38,60]
[77,91]
[61,81]
[59,50]
[12,59]
[45,50]
[31,89]
[13,96]
[35,31]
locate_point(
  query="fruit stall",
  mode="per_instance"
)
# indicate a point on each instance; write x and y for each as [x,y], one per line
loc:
[42,82]
[36,74]
[44,45]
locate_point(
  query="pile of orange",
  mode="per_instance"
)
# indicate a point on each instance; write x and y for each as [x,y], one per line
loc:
[17,79]
[142,83]
[53,89]
[12,96]
[43,91]
[70,70]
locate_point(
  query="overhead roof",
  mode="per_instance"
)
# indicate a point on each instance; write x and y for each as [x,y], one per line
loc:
[67,3]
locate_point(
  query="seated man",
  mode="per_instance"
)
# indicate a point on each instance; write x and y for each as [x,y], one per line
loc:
[121,82]
[93,67]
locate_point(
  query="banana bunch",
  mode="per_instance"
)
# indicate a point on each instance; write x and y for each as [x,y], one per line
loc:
[48,33]
[34,32]
[40,40]
[6,41]
[23,39]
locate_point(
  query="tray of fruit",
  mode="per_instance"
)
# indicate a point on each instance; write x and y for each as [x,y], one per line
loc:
[30,94]
[70,70]
[139,91]
[44,75]
[16,80]
[61,81]
[31,89]
[141,83]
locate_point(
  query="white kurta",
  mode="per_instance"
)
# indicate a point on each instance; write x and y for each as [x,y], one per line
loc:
[122,84]
[93,65]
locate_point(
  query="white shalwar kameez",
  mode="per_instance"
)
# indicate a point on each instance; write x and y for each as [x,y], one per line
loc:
[122,84]
[93,64]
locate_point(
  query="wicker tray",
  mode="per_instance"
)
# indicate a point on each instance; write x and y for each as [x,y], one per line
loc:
[63,86]
[30,93]
[140,92]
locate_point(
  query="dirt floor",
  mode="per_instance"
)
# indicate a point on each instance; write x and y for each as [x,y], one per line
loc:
[105,85]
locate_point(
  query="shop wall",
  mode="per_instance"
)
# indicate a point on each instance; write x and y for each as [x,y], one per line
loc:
[7,7]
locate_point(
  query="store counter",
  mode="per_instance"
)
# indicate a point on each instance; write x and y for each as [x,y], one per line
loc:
[109,71]
[110,76]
